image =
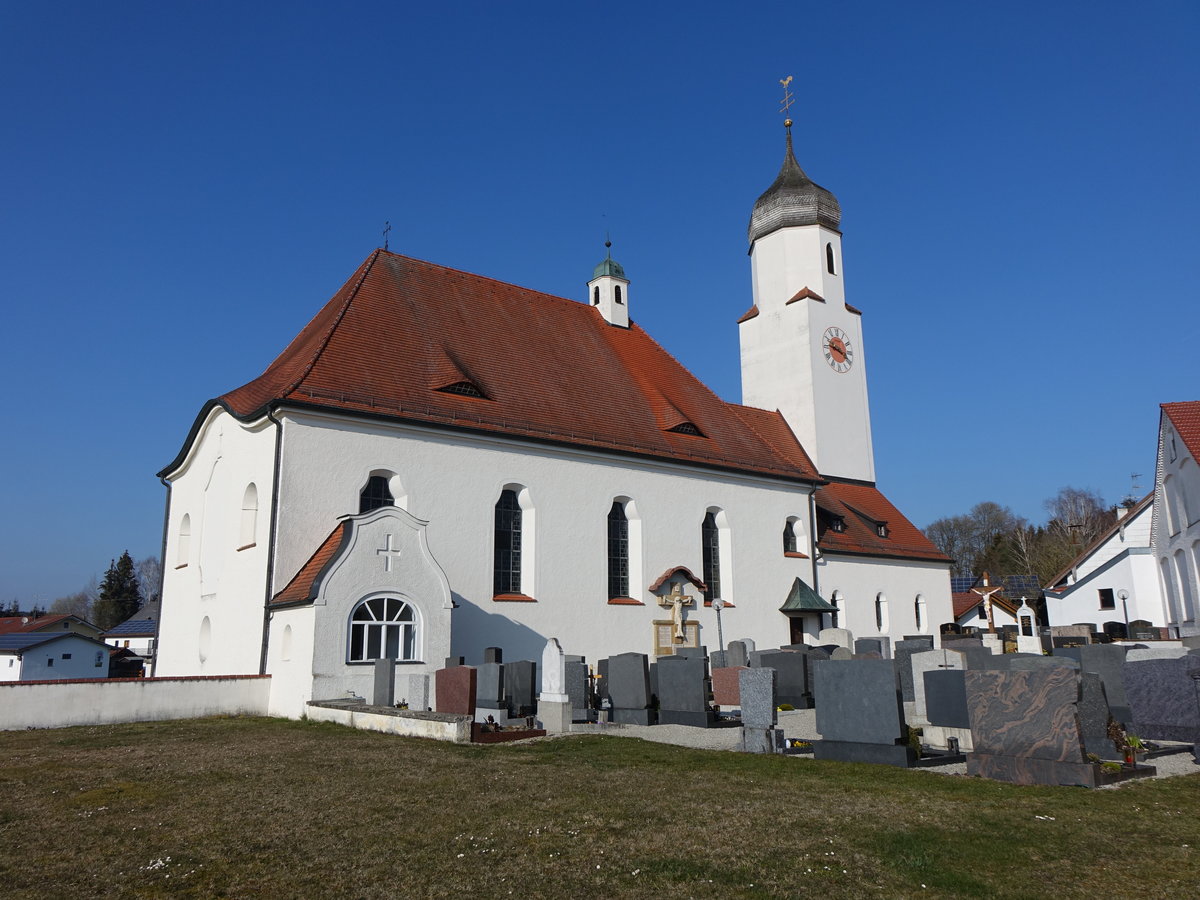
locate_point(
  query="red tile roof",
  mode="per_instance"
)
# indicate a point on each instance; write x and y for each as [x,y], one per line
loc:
[682,570]
[304,584]
[1186,419]
[862,507]
[965,601]
[551,368]
[24,624]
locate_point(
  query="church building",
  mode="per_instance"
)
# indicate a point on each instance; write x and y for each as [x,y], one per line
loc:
[440,462]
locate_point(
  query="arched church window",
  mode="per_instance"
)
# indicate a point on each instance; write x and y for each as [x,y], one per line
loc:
[383,628]
[789,536]
[919,615]
[710,549]
[249,516]
[829,263]
[881,612]
[618,293]
[836,602]
[375,494]
[507,572]
[184,544]
[618,551]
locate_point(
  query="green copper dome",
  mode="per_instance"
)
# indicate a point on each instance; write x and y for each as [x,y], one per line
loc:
[609,266]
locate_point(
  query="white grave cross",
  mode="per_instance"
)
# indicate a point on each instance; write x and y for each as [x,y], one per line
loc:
[388,552]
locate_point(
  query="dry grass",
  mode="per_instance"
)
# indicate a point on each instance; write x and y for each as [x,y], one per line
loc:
[240,807]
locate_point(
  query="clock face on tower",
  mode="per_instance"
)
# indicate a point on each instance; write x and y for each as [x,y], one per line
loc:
[839,352]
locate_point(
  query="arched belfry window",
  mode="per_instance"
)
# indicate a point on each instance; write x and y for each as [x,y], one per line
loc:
[617,295]
[596,295]
[507,572]
[375,494]
[829,261]
[618,551]
[710,548]
[383,628]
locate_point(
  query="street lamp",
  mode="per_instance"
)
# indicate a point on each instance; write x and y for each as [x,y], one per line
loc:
[718,604]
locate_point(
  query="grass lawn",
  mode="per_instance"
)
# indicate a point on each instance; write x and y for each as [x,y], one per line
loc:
[273,808]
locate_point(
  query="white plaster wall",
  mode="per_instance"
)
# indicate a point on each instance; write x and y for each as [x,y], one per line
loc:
[290,660]
[1176,529]
[860,582]
[1134,534]
[453,481]
[1135,572]
[10,667]
[219,578]
[59,705]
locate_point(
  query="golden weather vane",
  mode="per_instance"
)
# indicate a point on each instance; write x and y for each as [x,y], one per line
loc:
[788,99]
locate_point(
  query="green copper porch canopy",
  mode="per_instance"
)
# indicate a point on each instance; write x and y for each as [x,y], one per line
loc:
[802,598]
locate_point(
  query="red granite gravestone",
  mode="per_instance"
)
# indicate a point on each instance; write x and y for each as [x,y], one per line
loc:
[455,690]
[726,692]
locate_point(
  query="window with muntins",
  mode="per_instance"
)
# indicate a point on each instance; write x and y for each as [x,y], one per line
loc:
[375,494]
[710,546]
[383,628]
[618,551]
[507,577]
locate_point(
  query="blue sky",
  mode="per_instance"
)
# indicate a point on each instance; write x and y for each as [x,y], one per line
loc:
[187,183]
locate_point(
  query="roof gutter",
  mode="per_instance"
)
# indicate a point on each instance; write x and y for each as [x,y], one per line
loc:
[270,573]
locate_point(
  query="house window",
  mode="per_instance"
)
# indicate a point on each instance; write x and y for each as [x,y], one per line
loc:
[981,611]
[99,658]
[838,524]
[66,656]
[618,551]
[710,548]
[507,572]
[375,494]
[249,516]
[383,628]
[50,662]
[881,529]
[789,536]
[1107,600]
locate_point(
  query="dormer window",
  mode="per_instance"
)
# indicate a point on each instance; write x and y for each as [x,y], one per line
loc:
[687,428]
[464,389]
[881,529]
[838,524]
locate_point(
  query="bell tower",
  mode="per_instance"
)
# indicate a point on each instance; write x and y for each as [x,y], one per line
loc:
[608,290]
[801,343]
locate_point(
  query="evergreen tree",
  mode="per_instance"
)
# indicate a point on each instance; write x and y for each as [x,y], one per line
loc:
[120,595]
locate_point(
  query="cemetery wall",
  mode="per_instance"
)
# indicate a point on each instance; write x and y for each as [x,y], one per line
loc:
[59,704]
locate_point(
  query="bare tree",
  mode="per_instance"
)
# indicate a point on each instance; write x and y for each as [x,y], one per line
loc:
[971,538]
[78,604]
[149,576]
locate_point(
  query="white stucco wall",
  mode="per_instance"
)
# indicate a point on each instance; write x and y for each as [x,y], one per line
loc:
[62,704]
[1176,530]
[218,574]
[858,586]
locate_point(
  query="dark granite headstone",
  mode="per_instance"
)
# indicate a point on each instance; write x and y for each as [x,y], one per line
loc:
[1025,727]
[489,686]
[1164,698]
[452,661]
[1093,717]
[902,652]
[683,691]
[454,690]
[1107,661]
[493,655]
[859,712]
[737,655]
[385,683]
[629,689]
[946,698]
[601,685]
[791,675]
[716,659]
[691,652]
[880,645]
[577,688]
[520,687]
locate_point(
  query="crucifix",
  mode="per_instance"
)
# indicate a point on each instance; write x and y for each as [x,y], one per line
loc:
[985,591]
[388,552]
[677,600]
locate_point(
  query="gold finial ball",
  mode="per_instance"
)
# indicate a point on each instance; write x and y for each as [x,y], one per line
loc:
[787,123]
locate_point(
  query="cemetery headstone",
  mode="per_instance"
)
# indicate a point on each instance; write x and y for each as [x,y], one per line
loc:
[628,685]
[1094,716]
[1138,653]
[881,645]
[1164,699]
[737,655]
[791,675]
[553,705]
[903,654]
[840,654]
[493,655]
[452,661]
[520,681]
[946,698]
[726,687]
[756,688]
[842,637]
[489,688]
[683,692]
[384,687]
[577,688]
[859,713]
[716,659]
[454,690]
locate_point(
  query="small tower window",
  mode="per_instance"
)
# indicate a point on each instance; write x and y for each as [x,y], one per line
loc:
[596,295]
[375,495]
[789,537]
[829,262]
[617,287]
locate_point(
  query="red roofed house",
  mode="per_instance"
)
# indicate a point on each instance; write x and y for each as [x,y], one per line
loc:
[440,462]
[1175,531]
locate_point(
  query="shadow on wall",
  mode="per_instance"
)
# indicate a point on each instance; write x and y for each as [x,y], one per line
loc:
[473,629]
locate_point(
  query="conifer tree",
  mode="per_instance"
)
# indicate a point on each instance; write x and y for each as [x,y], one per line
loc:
[120,595]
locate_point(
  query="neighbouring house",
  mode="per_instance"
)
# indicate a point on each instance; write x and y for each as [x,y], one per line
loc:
[48,624]
[1114,581]
[970,612]
[42,656]
[137,635]
[1176,526]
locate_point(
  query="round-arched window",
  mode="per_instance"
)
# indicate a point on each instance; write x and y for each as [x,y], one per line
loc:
[383,628]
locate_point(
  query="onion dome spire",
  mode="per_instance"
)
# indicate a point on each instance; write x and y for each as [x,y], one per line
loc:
[793,199]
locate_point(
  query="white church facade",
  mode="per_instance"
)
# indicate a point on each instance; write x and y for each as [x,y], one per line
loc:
[1176,524]
[440,463]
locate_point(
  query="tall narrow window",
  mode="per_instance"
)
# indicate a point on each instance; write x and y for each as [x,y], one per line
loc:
[249,515]
[1107,599]
[881,612]
[836,602]
[375,494]
[618,551]
[710,546]
[383,628]
[618,293]
[919,615]
[829,259]
[596,295]
[507,578]
[789,536]
[185,541]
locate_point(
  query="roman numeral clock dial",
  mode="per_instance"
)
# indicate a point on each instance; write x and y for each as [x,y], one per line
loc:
[839,352]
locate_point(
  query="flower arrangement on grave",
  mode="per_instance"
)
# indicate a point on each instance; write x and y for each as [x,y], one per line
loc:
[1129,745]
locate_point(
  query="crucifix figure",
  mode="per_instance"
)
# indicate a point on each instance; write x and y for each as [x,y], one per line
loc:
[677,600]
[985,591]
[388,552]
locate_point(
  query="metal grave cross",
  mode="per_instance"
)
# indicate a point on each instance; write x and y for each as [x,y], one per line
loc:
[388,552]
[677,600]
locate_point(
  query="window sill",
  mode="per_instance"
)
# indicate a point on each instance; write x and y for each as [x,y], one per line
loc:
[624,601]
[371,662]
[791,554]
[512,598]
[728,605]
[182,566]
[247,546]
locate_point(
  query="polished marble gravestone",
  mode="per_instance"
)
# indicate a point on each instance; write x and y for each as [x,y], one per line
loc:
[577,688]
[520,687]
[683,692]
[628,684]
[454,690]
[859,712]
[726,687]
[946,698]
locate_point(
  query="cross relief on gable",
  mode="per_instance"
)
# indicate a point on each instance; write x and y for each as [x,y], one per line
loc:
[388,552]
